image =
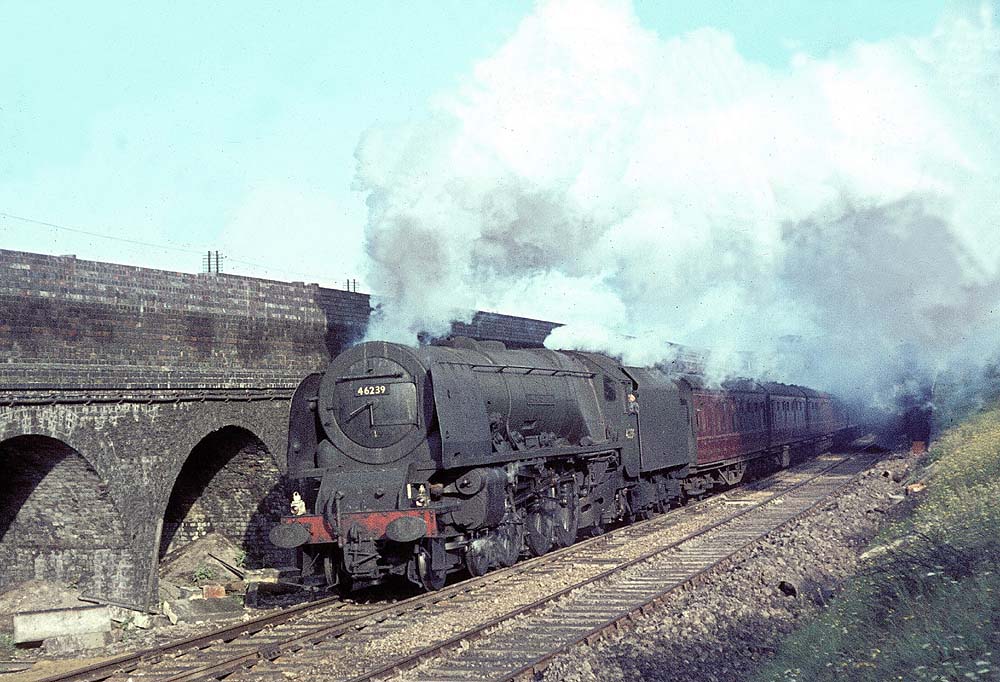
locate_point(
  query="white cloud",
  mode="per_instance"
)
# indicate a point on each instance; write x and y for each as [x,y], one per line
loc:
[683,192]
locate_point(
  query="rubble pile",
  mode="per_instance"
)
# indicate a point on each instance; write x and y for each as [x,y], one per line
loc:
[203,581]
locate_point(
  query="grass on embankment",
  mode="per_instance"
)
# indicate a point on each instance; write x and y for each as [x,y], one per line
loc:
[927,603]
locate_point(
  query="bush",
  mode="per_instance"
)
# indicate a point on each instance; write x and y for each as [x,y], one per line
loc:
[203,574]
[924,608]
[6,645]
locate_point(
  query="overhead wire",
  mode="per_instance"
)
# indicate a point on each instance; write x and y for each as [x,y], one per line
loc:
[90,233]
[137,242]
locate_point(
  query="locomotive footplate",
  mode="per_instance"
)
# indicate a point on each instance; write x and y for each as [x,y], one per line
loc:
[407,525]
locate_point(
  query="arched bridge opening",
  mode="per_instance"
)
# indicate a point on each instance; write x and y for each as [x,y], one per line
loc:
[228,485]
[57,521]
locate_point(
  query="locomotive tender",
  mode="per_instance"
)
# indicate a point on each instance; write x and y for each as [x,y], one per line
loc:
[419,462]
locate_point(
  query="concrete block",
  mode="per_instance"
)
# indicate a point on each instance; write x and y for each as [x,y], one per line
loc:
[201,610]
[170,591]
[35,626]
[213,591]
[130,618]
[67,644]
[15,666]
[263,575]
[143,621]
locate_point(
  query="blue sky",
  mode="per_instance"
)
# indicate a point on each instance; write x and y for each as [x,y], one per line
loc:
[189,126]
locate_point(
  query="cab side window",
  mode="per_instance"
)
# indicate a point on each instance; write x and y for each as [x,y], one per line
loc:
[610,393]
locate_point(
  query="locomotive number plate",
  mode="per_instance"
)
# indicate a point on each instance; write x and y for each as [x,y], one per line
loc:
[372,390]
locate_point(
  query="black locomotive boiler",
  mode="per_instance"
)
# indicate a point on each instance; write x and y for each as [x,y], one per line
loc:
[419,462]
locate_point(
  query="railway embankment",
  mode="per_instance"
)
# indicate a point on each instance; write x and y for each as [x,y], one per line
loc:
[924,605]
[737,618]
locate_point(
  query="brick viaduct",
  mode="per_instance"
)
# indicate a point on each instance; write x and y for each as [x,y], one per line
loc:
[140,409]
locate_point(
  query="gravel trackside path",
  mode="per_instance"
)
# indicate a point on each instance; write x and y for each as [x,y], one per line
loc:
[726,628]
[524,642]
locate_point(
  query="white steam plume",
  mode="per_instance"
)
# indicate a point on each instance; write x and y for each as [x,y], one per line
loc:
[837,217]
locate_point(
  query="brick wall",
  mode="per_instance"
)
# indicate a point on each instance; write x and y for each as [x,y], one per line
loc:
[134,453]
[69,322]
[57,521]
[87,323]
[229,485]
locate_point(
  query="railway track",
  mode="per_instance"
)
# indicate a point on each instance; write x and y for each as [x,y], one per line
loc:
[523,615]
[522,645]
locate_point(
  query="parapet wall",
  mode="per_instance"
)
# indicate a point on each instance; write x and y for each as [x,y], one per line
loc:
[67,323]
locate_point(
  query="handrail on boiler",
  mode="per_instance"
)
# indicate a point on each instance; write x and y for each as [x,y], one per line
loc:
[524,369]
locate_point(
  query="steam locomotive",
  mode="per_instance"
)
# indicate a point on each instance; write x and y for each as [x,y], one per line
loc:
[421,462]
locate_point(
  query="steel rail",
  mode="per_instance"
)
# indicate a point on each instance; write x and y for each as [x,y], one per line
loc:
[128,662]
[408,662]
[539,664]
[269,651]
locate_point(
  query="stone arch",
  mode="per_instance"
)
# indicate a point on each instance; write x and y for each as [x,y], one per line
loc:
[57,520]
[57,422]
[229,484]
